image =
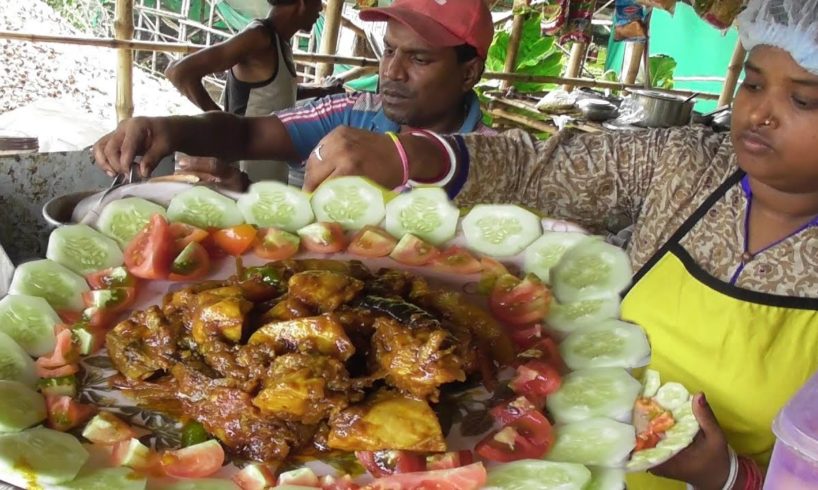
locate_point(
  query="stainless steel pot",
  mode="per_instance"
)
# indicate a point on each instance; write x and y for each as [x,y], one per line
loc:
[663,110]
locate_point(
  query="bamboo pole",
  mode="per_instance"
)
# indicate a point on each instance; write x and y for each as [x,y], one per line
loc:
[329,38]
[514,41]
[310,57]
[575,62]
[123,31]
[520,119]
[635,59]
[733,72]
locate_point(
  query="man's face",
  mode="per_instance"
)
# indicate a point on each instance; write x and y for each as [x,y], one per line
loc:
[309,12]
[421,84]
[774,123]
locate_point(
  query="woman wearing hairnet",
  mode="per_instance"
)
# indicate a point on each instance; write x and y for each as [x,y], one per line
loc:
[725,239]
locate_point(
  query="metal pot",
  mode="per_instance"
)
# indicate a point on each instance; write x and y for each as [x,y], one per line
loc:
[663,110]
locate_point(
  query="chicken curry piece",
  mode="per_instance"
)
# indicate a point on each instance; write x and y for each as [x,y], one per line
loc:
[295,356]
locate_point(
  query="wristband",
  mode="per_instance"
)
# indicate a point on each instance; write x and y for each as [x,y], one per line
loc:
[404,158]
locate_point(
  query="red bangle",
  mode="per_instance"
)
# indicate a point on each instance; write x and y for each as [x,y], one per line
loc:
[753,479]
[445,171]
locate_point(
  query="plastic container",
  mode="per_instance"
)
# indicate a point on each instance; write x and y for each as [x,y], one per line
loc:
[794,463]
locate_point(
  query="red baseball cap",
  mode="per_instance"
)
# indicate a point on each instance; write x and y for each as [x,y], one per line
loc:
[444,23]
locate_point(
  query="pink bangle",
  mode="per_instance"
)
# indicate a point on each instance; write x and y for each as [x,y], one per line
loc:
[428,135]
[753,479]
[404,158]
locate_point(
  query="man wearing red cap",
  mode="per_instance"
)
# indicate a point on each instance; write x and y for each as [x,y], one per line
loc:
[434,54]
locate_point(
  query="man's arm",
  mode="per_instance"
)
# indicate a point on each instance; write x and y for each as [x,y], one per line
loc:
[215,134]
[186,74]
[317,92]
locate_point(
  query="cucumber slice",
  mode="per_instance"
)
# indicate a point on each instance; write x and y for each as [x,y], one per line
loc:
[276,205]
[204,208]
[591,269]
[107,479]
[20,407]
[672,396]
[570,317]
[651,383]
[60,386]
[30,322]
[83,249]
[500,230]
[684,412]
[535,474]
[606,479]
[547,251]
[15,363]
[40,456]
[676,441]
[203,484]
[352,202]
[612,343]
[648,458]
[124,218]
[51,281]
[425,212]
[598,442]
[591,393]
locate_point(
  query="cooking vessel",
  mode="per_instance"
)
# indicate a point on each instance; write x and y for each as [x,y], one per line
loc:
[663,110]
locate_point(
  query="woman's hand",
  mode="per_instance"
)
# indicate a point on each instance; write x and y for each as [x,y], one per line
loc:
[348,151]
[212,170]
[705,464]
[139,136]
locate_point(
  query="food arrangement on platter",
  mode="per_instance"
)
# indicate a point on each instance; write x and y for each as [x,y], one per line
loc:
[347,339]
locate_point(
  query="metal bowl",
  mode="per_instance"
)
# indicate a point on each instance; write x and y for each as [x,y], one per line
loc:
[57,211]
[597,110]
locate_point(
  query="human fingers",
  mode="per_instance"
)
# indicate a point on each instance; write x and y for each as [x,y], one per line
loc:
[707,420]
[113,153]
[100,159]
[318,168]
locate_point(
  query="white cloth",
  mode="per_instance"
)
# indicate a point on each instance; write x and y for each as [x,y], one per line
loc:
[791,25]
[6,272]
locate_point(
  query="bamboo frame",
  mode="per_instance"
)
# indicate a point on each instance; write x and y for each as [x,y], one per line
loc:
[634,61]
[329,38]
[123,30]
[733,72]
[514,41]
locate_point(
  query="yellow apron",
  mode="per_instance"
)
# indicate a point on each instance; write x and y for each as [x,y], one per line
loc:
[748,352]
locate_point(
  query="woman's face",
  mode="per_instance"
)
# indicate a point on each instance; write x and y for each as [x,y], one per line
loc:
[775,122]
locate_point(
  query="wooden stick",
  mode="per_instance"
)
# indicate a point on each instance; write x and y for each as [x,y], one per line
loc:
[520,119]
[575,62]
[514,41]
[123,30]
[733,72]
[348,24]
[329,37]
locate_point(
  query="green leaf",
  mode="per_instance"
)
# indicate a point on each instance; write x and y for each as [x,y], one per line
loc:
[661,71]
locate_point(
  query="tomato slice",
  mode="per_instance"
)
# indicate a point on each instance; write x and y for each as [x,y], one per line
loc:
[275,244]
[526,337]
[662,423]
[191,264]
[491,271]
[107,429]
[69,316]
[647,440]
[113,300]
[65,413]
[236,240]
[329,482]
[456,260]
[115,277]
[255,476]
[508,412]
[536,380]
[372,241]
[449,460]
[64,352]
[411,250]
[183,234]
[150,253]
[385,463]
[197,461]
[470,477]
[529,436]
[325,238]
[545,350]
[519,302]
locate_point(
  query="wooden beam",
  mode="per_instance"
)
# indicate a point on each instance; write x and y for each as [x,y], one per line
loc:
[516,37]
[634,61]
[329,37]
[733,72]
[123,31]
[575,62]
[521,119]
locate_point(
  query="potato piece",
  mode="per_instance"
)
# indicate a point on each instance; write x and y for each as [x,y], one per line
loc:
[323,334]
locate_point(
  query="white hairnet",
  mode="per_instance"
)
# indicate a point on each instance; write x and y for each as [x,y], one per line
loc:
[791,25]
